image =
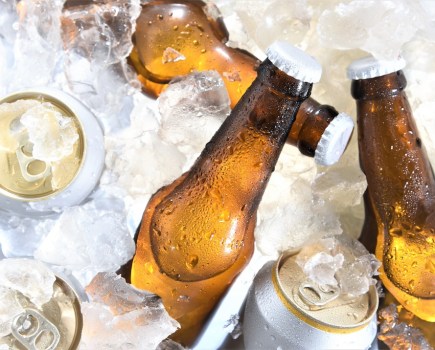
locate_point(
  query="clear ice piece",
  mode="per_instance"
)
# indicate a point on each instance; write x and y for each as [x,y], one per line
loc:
[399,335]
[192,108]
[29,277]
[115,307]
[339,261]
[85,232]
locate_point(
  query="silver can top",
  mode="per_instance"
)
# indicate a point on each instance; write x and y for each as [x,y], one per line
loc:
[323,308]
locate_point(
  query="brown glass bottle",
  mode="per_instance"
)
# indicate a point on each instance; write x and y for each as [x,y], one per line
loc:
[400,197]
[176,37]
[196,234]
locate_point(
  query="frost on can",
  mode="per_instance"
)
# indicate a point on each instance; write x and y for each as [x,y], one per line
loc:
[51,151]
[285,310]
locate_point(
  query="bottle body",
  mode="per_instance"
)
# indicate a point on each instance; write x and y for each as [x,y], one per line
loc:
[197,234]
[175,38]
[400,198]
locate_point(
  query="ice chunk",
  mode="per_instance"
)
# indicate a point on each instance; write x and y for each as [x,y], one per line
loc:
[144,164]
[9,307]
[97,40]
[52,134]
[29,277]
[233,326]
[112,290]
[399,335]
[378,27]
[172,55]
[95,239]
[115,307]
[339,261]
[322,267]
[22,236]
[38,38]
[288,215]
[101,30]
[192,108]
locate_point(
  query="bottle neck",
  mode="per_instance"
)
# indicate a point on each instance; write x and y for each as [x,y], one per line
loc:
[399,175]
[378,87]
[245,149]
[311,121]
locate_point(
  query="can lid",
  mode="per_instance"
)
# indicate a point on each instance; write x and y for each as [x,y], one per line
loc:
[294,62]
[370,67]
[334,140]
[325,309]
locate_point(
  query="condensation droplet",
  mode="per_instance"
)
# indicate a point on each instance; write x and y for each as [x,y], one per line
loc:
[192,261]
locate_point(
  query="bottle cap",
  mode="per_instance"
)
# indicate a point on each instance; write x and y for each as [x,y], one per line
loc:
[294,62]
[334,140]
[370,67]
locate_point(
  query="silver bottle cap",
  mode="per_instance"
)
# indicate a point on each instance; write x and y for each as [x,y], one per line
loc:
[334,140]
[370,67]
[294,62]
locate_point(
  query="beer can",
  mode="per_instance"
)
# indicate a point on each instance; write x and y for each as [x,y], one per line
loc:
[284,310]
[31,185]
[57,324]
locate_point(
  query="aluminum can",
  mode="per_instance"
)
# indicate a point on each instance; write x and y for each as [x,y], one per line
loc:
[30,186]
[56,325]
[284,310]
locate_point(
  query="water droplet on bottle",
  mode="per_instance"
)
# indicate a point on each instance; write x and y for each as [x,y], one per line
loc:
[224,216]
[192,261]
[430,264]
[395,231]
[149,267]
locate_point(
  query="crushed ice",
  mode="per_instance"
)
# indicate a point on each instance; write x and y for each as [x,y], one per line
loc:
[114,307]
[339,261]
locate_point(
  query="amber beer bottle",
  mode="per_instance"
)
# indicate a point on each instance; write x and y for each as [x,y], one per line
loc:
[175,37]
[400,197]
[196,234]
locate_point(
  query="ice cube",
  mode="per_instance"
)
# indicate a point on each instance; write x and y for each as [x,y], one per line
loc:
[30,277]
[9,307]
[87,240]
[51,134]
[192,108]
[399,335]
[38,37]
[115,307]
[21,236]
[378,27]
[339,261]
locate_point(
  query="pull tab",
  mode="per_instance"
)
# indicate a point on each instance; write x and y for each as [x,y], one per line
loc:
[25,162]
[30,327]
[316,296]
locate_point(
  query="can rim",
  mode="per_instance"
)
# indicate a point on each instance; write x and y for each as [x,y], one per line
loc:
[316,323]
[77,310]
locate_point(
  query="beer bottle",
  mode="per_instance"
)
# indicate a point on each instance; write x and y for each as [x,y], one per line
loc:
[196,234]
[176,37]
[400,197]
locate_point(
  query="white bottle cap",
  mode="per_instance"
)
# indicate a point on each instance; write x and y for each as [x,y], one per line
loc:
[334,140]
[294,62]
[370,67]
